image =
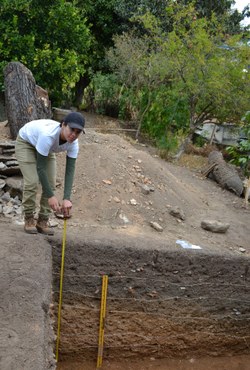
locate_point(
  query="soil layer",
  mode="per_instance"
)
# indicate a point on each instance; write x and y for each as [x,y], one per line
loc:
[161,303]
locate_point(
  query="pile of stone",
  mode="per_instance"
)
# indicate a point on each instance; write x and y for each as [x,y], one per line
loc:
[10,182]
[8,163]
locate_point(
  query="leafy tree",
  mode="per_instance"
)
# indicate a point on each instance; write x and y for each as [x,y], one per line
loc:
[107,18]
[139,69]
[223,11]
[207,8]
[233,25]
[191,63]
[63,42]
[103,22]
[50,38]
[130,9]
[127,9]
[106,93]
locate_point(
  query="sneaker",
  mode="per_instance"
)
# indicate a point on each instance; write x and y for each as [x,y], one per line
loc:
[43,227]
[30,224]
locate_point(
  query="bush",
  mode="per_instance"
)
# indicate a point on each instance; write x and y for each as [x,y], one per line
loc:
[240,154]
[102,95]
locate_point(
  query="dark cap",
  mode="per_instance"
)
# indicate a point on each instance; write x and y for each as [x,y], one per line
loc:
[75,120]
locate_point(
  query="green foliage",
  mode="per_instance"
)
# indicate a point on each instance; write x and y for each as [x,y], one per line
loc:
[62,41]
[49,38]
[167,112]
[128,105]
[101,18]
[199,141]
[181,78]
[106,90]
[210,77]
[166,119]
[207,8]
[240,154]
[230,18]
[130,9]
[103,22]
[166,12]
[132,62]
[167,143]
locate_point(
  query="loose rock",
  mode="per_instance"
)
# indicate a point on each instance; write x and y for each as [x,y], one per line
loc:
[156,226]
[242,250]
[133,202]
[178,213]
[215,226]
[145,189]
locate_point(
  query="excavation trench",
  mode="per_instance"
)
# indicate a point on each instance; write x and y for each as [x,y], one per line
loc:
[161,304]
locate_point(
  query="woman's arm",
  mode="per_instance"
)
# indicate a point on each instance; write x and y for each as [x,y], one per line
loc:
[69,177]
[41,165]
[68,182]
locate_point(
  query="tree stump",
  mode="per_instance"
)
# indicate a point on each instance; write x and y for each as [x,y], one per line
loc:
[224,174]
[24,100]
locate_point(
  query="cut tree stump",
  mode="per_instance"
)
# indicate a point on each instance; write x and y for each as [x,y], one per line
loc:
[25,101]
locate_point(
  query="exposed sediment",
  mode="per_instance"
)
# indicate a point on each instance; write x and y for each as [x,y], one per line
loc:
[161,303]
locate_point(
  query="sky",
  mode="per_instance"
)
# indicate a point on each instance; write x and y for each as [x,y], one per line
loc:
[240,5]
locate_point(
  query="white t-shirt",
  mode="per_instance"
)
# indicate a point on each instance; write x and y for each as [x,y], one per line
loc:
[44,134]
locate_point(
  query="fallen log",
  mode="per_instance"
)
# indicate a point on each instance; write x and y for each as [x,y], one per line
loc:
[224,174]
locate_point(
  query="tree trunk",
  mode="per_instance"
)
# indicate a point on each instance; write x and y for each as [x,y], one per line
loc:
[183,147]
[185,143]
[79,90]
[25,101]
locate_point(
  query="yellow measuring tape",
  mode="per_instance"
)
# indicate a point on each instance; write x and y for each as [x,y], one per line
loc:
[61,289]
[102,319]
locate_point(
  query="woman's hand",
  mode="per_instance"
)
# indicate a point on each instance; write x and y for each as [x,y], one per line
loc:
[66,207]
[54,204]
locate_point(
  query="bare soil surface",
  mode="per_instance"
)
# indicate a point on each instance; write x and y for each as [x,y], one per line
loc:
[108,196]
[107,193]
[111,232]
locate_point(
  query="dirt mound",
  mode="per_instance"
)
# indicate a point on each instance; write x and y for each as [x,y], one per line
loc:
[122,186]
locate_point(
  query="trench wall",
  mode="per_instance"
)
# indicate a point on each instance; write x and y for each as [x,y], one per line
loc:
[26,333]
[160,303]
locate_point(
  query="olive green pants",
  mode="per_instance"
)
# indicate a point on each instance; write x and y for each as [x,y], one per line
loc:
[26,157]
